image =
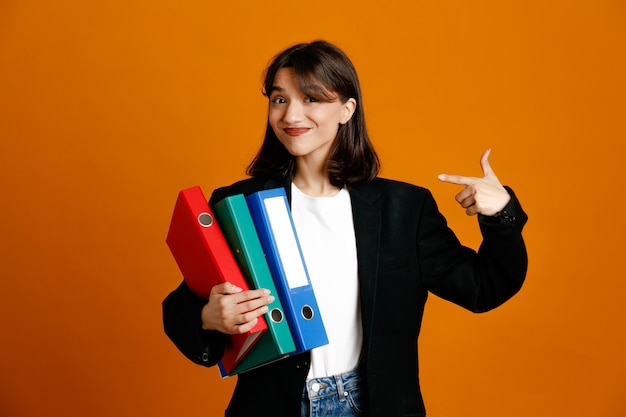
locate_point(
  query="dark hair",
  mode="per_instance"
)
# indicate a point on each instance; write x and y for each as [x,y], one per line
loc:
[352,158]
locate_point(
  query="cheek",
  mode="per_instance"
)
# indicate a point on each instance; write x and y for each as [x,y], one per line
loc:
[275,115]
[271,116]
[330,116]
[330,121]
[273,122]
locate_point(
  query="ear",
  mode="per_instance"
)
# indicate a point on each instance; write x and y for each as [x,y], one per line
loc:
[348,107]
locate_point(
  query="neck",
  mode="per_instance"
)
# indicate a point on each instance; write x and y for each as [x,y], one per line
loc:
[314,183]
[311,177]
[316,189]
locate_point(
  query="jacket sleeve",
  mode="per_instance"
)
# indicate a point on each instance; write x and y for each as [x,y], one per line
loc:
[183,325]
[476,280]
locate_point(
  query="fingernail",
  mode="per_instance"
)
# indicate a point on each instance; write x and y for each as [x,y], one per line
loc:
[270,299]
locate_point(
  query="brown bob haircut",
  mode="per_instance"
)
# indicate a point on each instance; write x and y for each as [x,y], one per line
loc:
[352,158]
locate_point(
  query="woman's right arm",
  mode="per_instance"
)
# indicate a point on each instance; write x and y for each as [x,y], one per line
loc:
[199,327]
[182,322]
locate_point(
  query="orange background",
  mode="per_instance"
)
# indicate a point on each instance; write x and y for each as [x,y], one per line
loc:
[107,109]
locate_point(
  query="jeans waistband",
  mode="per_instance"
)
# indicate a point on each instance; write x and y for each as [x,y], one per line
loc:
[333,385]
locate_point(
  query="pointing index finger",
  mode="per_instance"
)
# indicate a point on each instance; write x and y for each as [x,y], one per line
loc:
[455,179]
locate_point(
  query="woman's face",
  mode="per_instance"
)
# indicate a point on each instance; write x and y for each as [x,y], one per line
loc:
[305,126]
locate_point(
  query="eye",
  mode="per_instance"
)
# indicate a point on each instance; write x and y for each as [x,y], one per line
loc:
[278,100]
[310,100]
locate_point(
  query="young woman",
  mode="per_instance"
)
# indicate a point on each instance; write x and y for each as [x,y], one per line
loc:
[374,249]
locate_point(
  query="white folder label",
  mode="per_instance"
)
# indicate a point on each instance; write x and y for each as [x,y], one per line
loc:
[286,243]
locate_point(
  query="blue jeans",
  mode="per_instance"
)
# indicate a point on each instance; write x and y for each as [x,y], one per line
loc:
[334,396]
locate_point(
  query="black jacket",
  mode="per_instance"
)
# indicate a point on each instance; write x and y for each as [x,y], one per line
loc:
[405,250]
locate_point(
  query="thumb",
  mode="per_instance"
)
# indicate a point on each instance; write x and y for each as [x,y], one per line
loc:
[484,163]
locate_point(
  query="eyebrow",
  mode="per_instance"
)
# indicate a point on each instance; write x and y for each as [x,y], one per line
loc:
[310,90]
[309,87]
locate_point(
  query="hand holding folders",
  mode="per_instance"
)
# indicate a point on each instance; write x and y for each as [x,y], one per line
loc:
[232,310]
[259,233]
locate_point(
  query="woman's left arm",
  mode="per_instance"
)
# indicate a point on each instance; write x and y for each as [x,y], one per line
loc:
[477,281]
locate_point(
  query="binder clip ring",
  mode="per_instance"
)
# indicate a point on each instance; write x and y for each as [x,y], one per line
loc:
[307,312]
[205,219]
[276,315]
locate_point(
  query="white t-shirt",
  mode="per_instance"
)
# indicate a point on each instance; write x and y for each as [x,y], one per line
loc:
[326,233]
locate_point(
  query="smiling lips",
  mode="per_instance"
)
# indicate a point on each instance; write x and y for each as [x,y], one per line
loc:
[296,131]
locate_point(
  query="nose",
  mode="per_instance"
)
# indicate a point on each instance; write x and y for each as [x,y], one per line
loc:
[293,112]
